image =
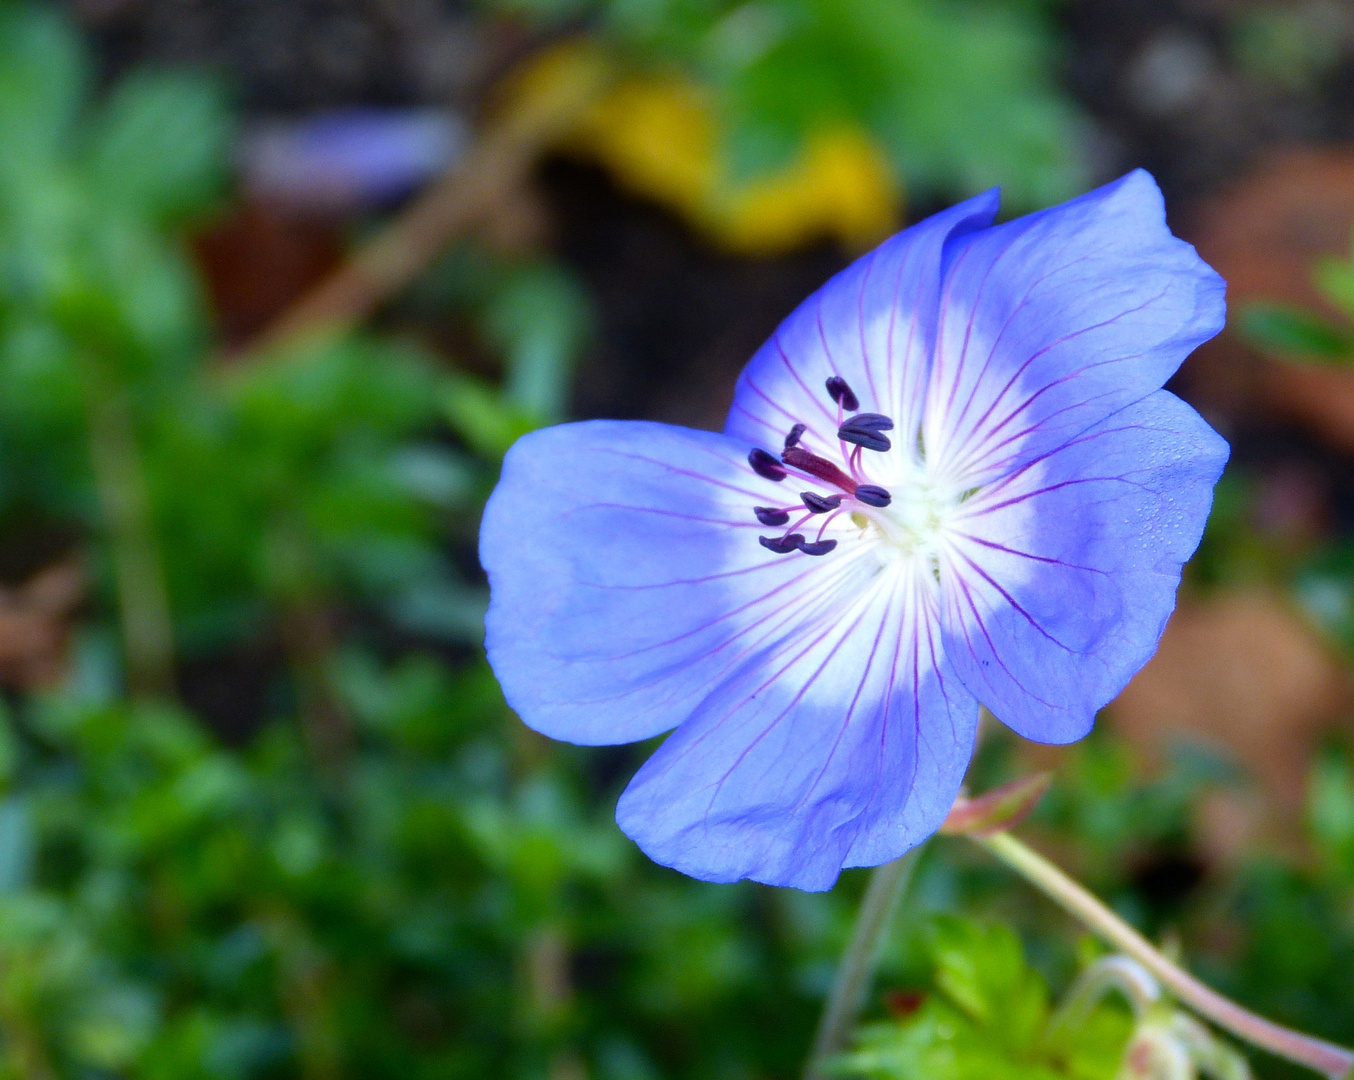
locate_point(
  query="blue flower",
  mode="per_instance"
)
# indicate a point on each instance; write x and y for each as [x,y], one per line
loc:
[950,477]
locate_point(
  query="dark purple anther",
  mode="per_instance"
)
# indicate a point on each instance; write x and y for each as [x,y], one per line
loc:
[842,394]
[820,504]
[766,465]
[796,432]
[771,516]
[818,547]
[782,545]
[873,495]
[866,429]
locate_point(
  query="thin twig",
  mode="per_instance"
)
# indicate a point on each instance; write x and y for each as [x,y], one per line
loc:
[1334,1061]
[408,245]
[856,967]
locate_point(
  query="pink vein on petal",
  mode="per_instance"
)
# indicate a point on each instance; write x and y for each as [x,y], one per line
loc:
[775,338]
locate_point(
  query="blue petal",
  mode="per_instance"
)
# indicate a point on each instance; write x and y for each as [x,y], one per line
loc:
[1052,322]
[1059,579]
[873,325]
[845,748]
[626,579]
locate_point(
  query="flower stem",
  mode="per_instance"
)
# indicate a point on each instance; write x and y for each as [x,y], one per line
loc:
[887,885]
[1334,1061]
[143,600]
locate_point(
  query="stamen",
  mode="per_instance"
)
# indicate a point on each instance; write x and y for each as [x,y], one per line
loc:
[782,545]
[818,547]
[771,515]
[799,458]
[842,394]
[873,495]
[820,504]
[766,465]
[865,429]
[796,433]
[822,527]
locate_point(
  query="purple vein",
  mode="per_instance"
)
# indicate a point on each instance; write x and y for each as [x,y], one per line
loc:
[855,699]
[661,512]
[982,420]
[808,606]
[982,448]
[1012,601]
[1029,554]
[705,478]
[985,510]
[974,304]
[775,338]
[996,342]
[769,400]
[991,645]
[860,323]
[795,700]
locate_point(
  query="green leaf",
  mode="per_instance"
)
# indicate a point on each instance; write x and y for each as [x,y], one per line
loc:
[959,97]
[1330,809]
[159,148]
[539,318]
[1335,279]
[1295,333]
[989,1017]
[44,71]
[483,417]
[982,970]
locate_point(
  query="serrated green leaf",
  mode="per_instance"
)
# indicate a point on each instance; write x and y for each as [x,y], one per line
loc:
[989,1017]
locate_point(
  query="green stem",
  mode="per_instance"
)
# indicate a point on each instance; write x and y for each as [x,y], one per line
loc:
[1334,1061]
[143,599]
[856,968]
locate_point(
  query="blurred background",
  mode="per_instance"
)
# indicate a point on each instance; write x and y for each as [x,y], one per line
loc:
[280,281]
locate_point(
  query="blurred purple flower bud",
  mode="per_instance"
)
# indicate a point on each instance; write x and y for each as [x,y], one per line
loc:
[349,158]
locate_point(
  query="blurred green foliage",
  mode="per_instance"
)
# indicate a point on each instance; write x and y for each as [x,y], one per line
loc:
[1305,335]
[987,1013]
[958,94]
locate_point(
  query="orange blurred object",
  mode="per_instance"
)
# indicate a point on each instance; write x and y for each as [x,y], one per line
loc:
[1244,672]
[1264,236]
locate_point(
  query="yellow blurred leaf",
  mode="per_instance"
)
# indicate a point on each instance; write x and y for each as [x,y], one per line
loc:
[659,137]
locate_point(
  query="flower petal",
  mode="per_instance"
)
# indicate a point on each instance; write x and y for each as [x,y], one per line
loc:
[873,324]
[1052,322]
[626,578]
[844,748]
[1059,579]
